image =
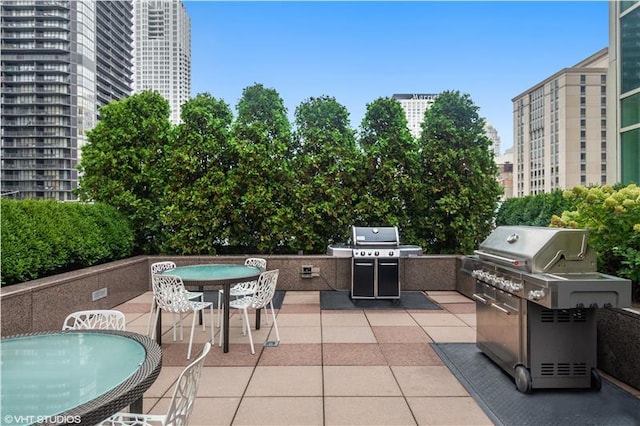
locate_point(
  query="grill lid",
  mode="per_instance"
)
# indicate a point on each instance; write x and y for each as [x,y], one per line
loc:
[386,236]
[538,249]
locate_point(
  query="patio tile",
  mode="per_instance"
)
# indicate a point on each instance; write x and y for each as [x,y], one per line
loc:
[438,319]
[131,307]
[146,297]
[164,382]
[292,354]
[300,308]
[298,335]
[279,411]
[298,320]
[347,335]
[353,319]
[301,297]
[224,381]
[410,354]
[461,308]
[213,411]
[451,334]
[469,319]
[367,411]
[286,381]
[239,355]
[448,298]
[175,354]
[427,381]
[390,319]
[352,354]
[454,411]
[359,381]
[400,334]
[206,411]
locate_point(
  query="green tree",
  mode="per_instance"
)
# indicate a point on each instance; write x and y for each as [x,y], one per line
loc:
[197,209]
[533,210]
[459,191]
[390,162]
[260,176]
[326,162]
[121,163]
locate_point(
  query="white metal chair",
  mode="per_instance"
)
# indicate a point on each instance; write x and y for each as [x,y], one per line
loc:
[95,320]
[171,296]
[182,401]
[244,288]
[262,297]
[157,268]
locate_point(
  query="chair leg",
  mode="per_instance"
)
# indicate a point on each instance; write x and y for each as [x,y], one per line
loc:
[202,300]
[245,314]
[275,324]
[221,325]
[213,339]
[151,312]
[193,328]
[153,330]
[219,305]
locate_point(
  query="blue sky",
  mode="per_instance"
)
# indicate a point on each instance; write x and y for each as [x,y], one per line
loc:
[360,51]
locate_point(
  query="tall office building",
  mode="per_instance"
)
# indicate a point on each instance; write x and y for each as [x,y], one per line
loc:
[163,51]
[414,106]
[60,61]
[624,89]
[560,130]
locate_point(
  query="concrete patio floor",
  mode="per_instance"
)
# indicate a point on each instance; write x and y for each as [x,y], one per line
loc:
[332,367]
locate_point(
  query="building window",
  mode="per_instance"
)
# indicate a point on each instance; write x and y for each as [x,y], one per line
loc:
[630,155]
[630,107]
[629,51]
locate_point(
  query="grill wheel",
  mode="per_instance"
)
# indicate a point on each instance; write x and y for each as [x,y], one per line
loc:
[523,379]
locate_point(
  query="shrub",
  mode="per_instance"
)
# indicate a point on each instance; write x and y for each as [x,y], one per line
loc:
[533,210]
[46,237]
[612,217]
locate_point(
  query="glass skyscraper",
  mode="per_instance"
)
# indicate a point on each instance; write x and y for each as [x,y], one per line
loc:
[624,69]
[61,61]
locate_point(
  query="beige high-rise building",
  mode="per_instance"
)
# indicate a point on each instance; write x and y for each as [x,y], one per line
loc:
[492,134]
[560,130]
[163,51]
[414,106]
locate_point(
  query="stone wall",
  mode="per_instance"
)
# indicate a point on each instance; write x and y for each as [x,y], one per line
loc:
[43,304]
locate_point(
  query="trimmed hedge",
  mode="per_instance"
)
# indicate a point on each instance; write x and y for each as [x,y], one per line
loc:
[44,237]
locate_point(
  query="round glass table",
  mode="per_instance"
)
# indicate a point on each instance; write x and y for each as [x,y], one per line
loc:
[74,376]
[214,275]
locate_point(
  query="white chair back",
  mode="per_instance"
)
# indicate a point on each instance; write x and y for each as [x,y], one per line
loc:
[258,262]
[95,320]
[159,267]
[170,294]
[265,289]
[184,394]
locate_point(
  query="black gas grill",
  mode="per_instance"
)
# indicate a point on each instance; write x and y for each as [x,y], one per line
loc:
[536,293]
[375,266]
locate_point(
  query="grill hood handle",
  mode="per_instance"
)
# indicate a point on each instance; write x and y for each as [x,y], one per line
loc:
[519,263]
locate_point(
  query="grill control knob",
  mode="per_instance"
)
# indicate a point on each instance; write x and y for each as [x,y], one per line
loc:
[377,253]
[536,295]
[391,253]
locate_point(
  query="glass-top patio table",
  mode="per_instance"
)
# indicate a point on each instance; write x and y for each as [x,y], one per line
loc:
[74,377]
[214,275]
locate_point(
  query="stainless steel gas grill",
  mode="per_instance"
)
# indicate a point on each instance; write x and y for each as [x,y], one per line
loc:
[375,266]
[536,294]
